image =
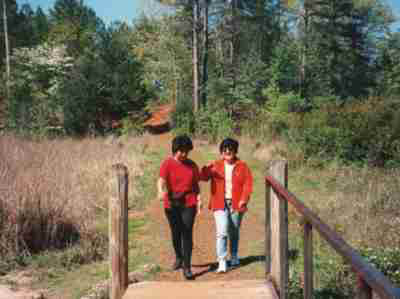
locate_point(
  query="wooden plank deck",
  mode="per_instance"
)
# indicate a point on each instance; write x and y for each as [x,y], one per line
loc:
[237,289]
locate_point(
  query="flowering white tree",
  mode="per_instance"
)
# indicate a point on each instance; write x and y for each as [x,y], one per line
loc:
[42,66]
[38,73]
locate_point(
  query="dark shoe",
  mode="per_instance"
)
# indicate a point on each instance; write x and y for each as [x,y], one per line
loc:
[187,273]
[177,265]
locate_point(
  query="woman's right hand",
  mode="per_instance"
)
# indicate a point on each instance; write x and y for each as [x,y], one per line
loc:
[162,190]
[161,195]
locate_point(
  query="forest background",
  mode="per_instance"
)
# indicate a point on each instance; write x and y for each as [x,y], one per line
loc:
[321,76]
[299,62]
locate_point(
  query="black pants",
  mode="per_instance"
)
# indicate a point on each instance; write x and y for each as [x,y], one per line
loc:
[181,220]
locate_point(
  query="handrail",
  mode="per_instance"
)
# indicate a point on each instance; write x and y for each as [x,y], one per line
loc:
[367,273]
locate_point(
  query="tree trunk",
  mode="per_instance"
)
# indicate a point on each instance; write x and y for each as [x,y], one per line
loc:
[205,56]
[7,47]
[303,70]
[195,57]
[234,47]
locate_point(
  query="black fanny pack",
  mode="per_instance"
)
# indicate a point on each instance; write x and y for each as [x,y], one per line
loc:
[177,199]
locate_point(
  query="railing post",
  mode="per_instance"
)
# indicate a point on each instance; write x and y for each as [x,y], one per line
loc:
[308,261]
[118,233]
[268,190]
[279,231]
[364,290]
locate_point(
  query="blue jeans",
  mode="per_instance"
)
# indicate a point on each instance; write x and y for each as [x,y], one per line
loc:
[227,224]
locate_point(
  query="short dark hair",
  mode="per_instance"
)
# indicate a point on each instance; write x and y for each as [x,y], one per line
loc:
[182,143]
[230,143]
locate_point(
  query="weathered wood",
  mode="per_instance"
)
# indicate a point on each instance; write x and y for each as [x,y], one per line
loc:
[118,233]
[268,190]
[364,290]
[308,261]
[279,231]
[374,278]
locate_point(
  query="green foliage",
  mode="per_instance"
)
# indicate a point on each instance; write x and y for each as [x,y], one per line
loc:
[388,79]
[283,68]
[132,126]
[182,118]
[358,132]
[214,121]
[280,107]
[281,104]
[251,79]
[37,72]
[386,260]
[75,25]
[105,84]
[161,46]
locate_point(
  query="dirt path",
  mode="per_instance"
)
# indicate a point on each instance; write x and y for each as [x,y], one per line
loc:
[245,281]
[204,259]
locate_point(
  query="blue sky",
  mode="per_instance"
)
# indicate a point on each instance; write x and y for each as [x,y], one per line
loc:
[127,10]
[119,10]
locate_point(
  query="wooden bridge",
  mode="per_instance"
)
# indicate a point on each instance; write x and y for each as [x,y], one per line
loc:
[370,281]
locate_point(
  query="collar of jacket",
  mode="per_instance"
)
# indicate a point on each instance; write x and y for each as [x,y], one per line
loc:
[221,162]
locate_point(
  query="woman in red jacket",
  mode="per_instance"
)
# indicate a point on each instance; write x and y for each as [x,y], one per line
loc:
[231,186]
[178,188]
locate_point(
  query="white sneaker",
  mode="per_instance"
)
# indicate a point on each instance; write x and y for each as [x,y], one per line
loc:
[235,262]
[221,267]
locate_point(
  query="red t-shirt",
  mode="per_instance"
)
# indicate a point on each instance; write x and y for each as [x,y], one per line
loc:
[181,176]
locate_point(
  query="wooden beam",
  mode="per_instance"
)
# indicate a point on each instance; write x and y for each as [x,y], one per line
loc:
[308,261]
[268,191]
[279,231]
[118,233]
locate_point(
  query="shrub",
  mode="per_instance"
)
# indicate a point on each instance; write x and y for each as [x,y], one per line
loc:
[386,260]
[214,121]
[105,84]
[356,132]
[182,118]
[132,125]
[37,72]
[281,107]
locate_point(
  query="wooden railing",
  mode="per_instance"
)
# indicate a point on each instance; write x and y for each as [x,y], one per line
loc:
[370,280]
[118,233]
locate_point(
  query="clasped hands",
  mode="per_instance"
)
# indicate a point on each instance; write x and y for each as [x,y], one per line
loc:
[162,194]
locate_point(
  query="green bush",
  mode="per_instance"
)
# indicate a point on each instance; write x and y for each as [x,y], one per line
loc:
[358,131]
[280,107]
[31,108]
[214,121]
[182,118]
[133,124]
[386,260]
[105,84]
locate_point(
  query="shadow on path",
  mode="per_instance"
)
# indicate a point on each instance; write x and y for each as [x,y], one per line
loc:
[211,267]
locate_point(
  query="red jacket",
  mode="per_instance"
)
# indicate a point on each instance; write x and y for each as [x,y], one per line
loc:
[242,184]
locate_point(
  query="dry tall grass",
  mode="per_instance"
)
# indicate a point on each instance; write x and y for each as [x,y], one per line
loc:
[361,204]
[52,191]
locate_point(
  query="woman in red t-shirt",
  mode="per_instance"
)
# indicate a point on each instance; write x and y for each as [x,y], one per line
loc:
[178,188]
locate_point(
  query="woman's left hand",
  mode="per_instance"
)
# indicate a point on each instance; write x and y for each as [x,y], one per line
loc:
[242,204]
[199,206]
